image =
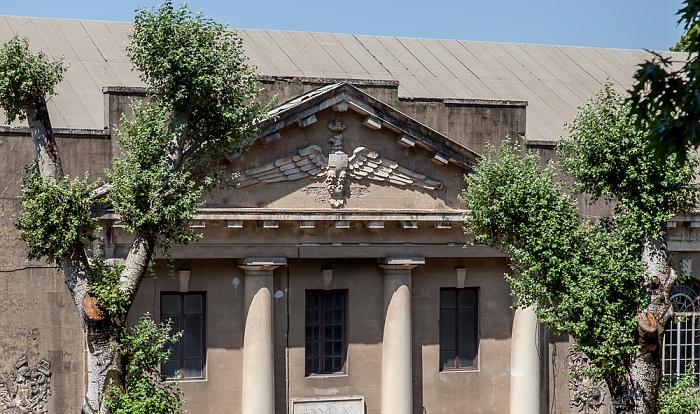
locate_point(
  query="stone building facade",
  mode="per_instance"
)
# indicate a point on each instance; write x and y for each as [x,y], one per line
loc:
[334,277]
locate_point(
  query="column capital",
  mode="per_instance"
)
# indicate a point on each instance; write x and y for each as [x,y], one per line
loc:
[400,263]
[261,264]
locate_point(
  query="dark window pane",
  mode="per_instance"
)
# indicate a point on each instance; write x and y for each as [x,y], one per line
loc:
[447,329]
[447,359]
[458,328]
[193,368]
[466,328]
[173,350]
[447,298]
[338,316]
[193,336]
[467,298]
[466,358]
[337,348]
[193,304]
[185,312]
[171,369]
[174,322]
[170,304]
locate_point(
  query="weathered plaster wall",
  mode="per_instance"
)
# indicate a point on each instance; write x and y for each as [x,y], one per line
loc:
[434,391]
[37,316]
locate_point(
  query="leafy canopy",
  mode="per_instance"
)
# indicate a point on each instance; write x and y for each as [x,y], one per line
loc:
[665,95]
[146,346]
[56,215]
[26,79]
[679,394]
[147,193]
[585,277]
[196,69]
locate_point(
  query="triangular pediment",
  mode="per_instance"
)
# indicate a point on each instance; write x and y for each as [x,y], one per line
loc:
[339,148]
[343,97]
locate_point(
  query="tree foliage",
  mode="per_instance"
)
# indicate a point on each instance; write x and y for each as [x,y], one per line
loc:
[205,82]
[685,42]
[146,192]
[200,105]
[606,155]
[679,394]
[56,216]
[145,346]
[665,95]
[26,79]
[565,265]
[585,276]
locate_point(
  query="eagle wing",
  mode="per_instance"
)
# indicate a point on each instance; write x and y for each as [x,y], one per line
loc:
[306,162]
[366,163]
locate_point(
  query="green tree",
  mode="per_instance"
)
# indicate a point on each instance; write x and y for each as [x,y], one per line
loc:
[200,105]
[606,281]
[685,42]
[664,97]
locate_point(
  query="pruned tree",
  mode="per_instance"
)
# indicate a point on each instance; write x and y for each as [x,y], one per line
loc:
[200,105]
[605,281]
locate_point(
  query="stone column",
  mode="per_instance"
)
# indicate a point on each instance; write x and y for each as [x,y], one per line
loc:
[397,378]
[258,391]
[525,363]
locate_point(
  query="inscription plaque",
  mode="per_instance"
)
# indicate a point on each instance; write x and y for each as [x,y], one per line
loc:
[326,405]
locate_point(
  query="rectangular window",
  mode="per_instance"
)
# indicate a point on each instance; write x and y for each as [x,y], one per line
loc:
[459,330]
[186,313]
[326,331]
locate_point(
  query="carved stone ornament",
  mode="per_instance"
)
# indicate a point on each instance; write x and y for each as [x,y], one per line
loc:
[588,394]
[336,169]
[24,391]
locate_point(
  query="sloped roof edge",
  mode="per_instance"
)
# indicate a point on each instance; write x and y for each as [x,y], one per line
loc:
[325,97]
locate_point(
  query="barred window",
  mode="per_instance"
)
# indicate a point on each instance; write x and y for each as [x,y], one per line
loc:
[682,339]
[326,331]
[185,312]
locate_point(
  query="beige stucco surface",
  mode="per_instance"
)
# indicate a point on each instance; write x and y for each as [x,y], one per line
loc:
[37,318]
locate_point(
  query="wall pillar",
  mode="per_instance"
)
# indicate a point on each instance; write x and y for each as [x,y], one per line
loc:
[397,378]
[258,391]
[525,363]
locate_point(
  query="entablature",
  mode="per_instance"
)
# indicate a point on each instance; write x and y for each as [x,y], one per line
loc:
[339,219]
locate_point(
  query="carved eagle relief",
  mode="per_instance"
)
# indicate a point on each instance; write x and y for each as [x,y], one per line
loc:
[336,169]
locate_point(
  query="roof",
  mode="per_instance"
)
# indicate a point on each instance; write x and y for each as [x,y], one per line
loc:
[377,114]
[554,80]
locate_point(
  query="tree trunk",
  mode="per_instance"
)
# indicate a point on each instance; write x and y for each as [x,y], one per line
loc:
[636,390]
[46,151]
[105,364]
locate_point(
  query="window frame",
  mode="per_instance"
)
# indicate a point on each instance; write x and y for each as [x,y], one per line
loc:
[308,342]
[456,322]
[681,342]
[181,342]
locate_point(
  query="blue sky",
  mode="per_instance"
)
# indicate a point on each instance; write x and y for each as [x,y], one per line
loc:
[633,24]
